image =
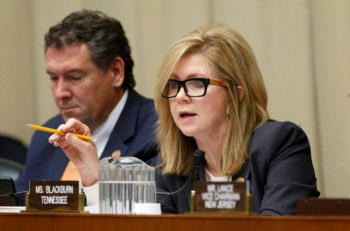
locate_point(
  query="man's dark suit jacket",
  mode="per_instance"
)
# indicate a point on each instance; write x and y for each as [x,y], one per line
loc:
[279,171]
[133,135]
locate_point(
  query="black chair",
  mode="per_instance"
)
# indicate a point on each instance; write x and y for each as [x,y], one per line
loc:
[7,192]
[10,168]
[12,156]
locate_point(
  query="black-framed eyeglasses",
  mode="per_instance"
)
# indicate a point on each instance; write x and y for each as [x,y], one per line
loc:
[195,87]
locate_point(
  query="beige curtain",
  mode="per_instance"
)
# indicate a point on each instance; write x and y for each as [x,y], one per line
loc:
[302,47]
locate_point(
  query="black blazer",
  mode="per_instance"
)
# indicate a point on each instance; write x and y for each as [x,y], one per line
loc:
[133,135]
[279,171]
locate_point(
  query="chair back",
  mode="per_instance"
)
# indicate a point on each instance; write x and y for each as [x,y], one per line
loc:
[9,168]
[12,156]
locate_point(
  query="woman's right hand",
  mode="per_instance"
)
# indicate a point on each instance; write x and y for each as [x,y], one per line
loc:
[82,153]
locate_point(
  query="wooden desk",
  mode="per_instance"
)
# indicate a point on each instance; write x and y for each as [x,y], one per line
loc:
[91,222]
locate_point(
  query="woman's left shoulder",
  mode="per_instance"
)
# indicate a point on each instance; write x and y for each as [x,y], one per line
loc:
[276,133]
[273,127]
[275,137]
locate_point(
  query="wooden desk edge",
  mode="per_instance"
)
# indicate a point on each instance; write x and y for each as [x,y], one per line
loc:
[77,221]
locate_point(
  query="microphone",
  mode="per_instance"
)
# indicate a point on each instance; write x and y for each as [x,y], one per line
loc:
[7,192]
[196,160]
[14,193]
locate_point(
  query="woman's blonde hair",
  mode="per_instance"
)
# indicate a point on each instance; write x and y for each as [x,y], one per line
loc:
[232,60]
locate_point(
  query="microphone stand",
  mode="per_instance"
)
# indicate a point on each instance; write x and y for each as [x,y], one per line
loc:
[196,160]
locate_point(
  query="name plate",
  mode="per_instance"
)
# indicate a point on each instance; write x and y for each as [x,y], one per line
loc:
[54,196]
[220,197]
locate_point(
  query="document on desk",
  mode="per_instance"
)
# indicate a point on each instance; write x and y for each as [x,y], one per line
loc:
[94,209]
[11,209]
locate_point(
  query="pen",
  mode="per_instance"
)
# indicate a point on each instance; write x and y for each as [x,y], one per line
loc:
[46,129]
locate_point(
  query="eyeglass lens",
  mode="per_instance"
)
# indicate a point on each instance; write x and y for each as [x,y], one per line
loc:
[192,87]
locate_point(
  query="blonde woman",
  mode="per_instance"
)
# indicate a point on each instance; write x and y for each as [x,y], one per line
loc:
[210,95]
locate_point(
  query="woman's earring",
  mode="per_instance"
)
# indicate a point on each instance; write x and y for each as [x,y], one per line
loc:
[228,110]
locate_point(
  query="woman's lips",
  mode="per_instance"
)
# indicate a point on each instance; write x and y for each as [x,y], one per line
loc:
[186,114]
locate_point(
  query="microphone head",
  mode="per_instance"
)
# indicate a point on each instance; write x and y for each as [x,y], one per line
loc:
[197,158]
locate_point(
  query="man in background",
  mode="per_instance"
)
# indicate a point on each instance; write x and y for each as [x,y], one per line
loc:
[89,63]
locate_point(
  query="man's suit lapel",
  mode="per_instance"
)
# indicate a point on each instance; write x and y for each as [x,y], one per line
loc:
[125,127]
[58,163]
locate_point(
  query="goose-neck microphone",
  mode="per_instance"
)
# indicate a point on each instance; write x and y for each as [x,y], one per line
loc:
[196,160]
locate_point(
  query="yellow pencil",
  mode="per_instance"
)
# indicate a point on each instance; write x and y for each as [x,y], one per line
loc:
[46,129]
